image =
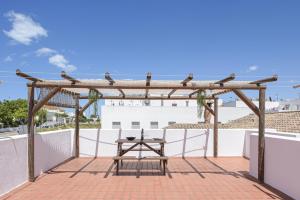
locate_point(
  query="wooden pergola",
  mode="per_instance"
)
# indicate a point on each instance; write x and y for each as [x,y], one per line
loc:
[69,91]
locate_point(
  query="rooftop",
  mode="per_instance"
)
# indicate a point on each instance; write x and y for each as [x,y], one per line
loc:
[190,178]
[281,121]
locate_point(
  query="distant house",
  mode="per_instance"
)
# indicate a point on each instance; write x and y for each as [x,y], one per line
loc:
[156,114]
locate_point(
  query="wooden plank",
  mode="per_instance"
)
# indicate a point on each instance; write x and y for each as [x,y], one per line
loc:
[26,76]
[265,80]
[220,92]
[296,86]
[247,101]
[209,109]
[69,78]
[30,128]
[227,79]
[122,93]
[148,79]
[90,102]
[121,84]
[261,136]
[216,127]
[42,102]
[150,97]
[187,79]
[108,77]
[77,128]
[172,92]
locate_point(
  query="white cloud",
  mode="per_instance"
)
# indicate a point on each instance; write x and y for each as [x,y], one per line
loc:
[45,52]
[252,68]
[24,30]
[8,59]
[60,61]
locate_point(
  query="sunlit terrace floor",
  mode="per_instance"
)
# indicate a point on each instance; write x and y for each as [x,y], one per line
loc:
[190,178]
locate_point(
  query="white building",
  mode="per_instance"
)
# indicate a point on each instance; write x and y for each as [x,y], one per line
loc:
[154,114]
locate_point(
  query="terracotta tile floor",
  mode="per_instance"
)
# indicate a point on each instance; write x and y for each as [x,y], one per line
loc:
[191,178]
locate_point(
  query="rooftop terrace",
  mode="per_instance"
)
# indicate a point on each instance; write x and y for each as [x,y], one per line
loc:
[189,178]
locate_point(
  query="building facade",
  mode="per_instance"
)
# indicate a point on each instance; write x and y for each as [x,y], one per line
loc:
[156,114]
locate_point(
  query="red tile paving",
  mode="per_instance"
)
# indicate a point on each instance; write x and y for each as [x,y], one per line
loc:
[190,178]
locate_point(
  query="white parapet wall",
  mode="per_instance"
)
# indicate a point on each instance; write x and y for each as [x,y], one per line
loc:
[282,161]
[180,142]
[51,148]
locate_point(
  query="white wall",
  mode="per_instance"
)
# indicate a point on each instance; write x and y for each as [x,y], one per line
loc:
[180,142]
[163,115]
[51,148]
[282,162]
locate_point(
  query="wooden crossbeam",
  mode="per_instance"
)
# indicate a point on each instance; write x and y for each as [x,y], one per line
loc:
[187,79]
[121,91]
[247,101]
[69,78]
[220,92]
[209,109]
[90,102]
[227,79]
[296,86]
[108,77]
[28,77]
[265,80]
[142,97]
[148,79]
[43,101]
[195,92]
[172,92]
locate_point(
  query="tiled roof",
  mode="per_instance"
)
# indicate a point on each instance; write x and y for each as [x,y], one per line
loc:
[281,121]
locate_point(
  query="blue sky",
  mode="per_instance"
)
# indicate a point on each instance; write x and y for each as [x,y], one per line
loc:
[210,39]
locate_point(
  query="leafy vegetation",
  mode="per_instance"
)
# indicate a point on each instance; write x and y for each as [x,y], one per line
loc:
[13,112]
[200,102]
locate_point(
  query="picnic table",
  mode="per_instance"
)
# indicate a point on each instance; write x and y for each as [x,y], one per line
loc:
[143,145]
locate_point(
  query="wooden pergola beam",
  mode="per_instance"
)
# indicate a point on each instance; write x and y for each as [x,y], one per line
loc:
[77,150]
[170,93]
[209,109]
[42,102]
[150,97]
[26,76]
[122,93]
[247,101]
[216,126]
[261,135]
[109,78]
[90,102]
[30,132]
[148,79]
[154,85]
[227,79]
[69,78]
[220,92]
[187,79]
[296,86]
[265,80]
[195,92]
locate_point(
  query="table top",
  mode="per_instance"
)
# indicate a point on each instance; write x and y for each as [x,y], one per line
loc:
[160,141]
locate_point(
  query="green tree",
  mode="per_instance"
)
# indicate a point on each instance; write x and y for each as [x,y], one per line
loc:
[41,117]
[13,112]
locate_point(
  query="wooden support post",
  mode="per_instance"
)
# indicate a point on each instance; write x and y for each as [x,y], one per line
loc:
[30,129]
[77,127]
[261,136]
[215,127]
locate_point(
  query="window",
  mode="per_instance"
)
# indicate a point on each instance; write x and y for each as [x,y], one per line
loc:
[187,103]
[174,104]
[135,125]
[116,125]
[170,123]
[154,125]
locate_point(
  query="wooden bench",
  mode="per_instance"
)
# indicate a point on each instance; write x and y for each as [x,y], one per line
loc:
[162,159]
